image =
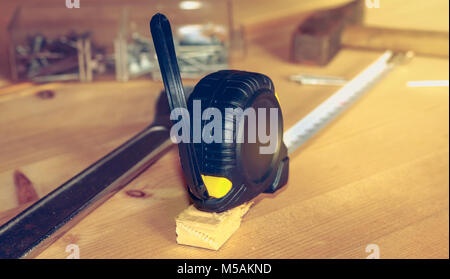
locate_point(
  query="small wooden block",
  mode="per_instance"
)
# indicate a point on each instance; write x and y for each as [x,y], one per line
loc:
[208,230]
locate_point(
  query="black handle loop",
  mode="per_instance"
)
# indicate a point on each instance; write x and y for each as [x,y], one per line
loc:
[167,59]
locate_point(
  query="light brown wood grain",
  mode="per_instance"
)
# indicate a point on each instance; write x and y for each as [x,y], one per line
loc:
[430,43]
[50,140]
[209,230]
[410,14]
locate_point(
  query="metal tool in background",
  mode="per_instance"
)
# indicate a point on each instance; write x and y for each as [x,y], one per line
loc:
[67,57]
[400,58]
[308,79]
[138,58]
[197,56]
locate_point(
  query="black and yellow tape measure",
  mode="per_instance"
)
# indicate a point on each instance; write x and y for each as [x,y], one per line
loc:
[223,175]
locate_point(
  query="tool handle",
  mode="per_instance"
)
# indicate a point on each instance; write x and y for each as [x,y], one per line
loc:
[165,50]
[421,42]
[167,59]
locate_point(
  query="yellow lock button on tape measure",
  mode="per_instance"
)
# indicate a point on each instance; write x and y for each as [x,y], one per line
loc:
[217,186]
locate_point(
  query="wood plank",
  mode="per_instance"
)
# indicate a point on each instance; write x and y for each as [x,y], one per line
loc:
[209,230]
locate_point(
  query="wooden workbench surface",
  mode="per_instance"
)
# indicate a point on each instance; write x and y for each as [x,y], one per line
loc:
[378,175]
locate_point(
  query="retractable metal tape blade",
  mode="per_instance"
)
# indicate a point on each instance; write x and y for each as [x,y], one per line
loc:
[223,175]
[340,100]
